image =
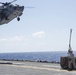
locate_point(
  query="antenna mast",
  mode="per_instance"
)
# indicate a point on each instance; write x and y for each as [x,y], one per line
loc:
[70,39]
[70,52]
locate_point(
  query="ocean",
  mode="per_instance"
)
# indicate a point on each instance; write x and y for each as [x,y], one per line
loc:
[34,56]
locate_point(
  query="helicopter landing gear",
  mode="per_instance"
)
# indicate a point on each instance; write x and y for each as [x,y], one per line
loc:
[18,18]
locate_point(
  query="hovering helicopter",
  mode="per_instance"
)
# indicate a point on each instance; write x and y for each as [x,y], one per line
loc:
[8,12]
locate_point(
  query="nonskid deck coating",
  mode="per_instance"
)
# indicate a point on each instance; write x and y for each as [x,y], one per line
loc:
[32,68]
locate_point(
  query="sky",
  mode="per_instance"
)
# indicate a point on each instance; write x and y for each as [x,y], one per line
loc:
[46,27]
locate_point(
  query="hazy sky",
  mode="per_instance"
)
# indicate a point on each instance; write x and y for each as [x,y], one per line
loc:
[43,28]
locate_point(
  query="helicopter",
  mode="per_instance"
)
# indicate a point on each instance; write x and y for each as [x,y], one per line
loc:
[8,12]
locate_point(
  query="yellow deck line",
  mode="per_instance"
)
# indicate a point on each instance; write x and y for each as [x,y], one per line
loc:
[39,68]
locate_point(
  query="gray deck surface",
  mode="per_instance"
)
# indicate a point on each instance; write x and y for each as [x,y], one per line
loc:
[32,68]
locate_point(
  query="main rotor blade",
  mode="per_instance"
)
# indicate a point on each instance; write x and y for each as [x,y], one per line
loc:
[1,3]
[29,7]
[12,1]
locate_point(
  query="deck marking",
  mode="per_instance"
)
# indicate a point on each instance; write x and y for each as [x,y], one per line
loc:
[50,66]
[39,68]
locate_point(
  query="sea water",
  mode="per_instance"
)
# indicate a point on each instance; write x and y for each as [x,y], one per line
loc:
[34,56]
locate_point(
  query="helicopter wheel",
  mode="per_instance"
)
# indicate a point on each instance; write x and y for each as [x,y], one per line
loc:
[18,19]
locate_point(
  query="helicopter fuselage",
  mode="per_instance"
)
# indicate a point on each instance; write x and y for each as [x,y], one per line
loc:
[10,12]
